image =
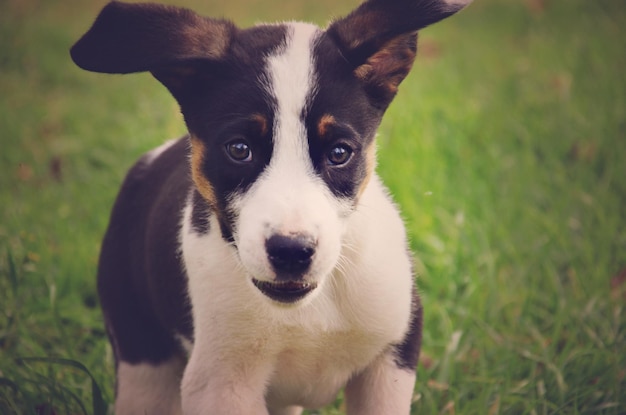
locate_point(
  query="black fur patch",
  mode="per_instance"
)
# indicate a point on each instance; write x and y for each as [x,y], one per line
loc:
[141,282]
[357,116]
[200,214]
[408,352]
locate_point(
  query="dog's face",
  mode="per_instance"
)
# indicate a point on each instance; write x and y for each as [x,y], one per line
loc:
[284,168]
[282,119]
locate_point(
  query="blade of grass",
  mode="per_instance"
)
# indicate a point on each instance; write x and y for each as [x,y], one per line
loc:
[12,272]
[99,405]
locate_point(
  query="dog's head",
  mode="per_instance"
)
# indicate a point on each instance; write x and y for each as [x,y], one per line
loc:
[282,118]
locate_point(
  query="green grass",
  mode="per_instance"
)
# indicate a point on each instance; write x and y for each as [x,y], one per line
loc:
[505,149]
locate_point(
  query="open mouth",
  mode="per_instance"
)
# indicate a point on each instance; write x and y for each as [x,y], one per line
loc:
[285,292]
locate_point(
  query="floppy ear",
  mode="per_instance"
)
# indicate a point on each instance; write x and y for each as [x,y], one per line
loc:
[165,40]
[379,38]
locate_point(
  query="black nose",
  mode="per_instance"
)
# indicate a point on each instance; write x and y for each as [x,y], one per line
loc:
[290,255]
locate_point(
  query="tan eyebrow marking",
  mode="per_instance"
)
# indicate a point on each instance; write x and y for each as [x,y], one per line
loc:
[262,122]
[203,184]
[324,124]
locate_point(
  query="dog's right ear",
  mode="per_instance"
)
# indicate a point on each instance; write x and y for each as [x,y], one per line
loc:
[165,40]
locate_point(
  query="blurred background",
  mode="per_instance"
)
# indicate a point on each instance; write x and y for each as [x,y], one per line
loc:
[505,150]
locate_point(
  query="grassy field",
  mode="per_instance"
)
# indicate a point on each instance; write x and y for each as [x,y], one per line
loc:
[506,149]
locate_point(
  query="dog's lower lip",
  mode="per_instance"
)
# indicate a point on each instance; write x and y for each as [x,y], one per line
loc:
[285,292]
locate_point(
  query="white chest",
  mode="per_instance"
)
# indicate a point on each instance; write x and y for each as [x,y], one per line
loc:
[310,371]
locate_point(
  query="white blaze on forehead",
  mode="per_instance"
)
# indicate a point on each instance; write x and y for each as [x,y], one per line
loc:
[289,197]
[292,76]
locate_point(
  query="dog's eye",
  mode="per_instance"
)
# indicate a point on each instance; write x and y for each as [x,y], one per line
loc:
[339,155]
[239,151]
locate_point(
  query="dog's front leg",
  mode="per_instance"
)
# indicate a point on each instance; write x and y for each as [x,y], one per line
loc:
[383,388]
[232,385]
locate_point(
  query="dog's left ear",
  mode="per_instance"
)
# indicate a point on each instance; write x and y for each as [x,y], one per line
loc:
[379,39]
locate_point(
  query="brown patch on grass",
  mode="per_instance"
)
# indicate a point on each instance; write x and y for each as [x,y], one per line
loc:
[618,285]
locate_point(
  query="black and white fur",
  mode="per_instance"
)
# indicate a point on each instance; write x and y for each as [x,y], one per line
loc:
[257,265]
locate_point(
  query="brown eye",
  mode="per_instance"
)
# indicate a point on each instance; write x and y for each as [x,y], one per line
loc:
[239,151]
[339,155]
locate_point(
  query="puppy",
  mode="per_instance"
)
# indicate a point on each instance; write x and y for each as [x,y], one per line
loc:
[258,265]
